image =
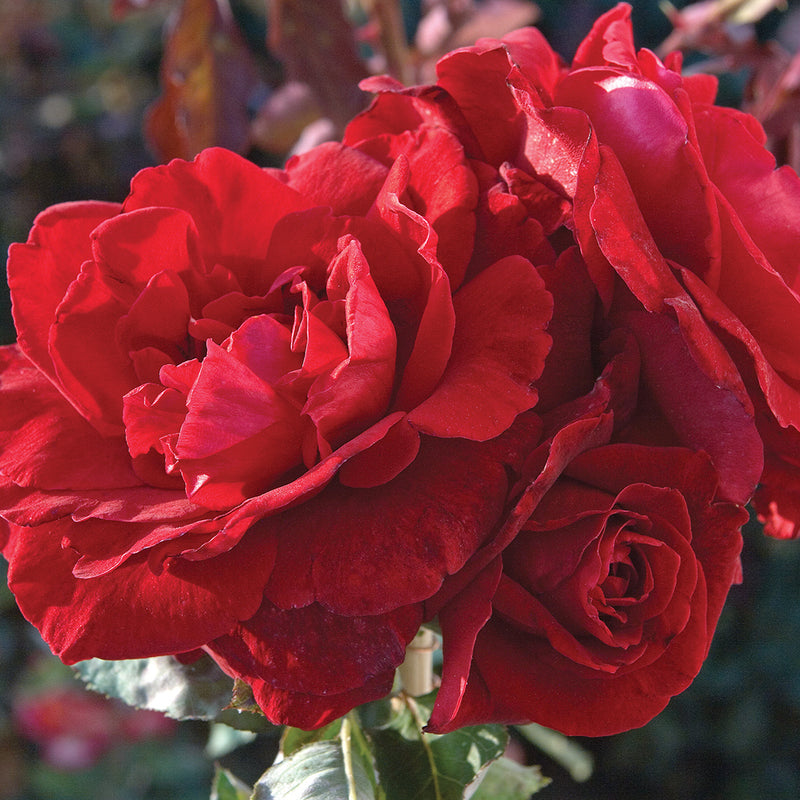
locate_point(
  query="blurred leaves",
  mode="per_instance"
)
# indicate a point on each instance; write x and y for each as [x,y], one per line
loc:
[316,44]
[508,780]
[227,786]
[208,79]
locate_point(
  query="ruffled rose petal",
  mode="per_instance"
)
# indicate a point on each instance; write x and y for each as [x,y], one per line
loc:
[356,393]
[40,271]
[239,434]
[460,622]
[312,651]
[499,349]
[131,612]
[476,79]
[93,372]
[206,188]
[643,126]
[41,434]
[610,41]
[704,415]
[766,200]
[441,187]
[338,176]
[405,548]
[384,460]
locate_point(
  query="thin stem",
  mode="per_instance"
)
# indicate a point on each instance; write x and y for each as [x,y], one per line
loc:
[347,752]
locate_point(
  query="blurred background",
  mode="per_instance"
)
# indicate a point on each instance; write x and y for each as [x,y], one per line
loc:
[93,90]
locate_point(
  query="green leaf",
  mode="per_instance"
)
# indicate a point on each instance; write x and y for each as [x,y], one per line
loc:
[227,786]
[223,739]
[332,770]
[294,738]
[413,765]
[507,780]
[564,751]
[200,690]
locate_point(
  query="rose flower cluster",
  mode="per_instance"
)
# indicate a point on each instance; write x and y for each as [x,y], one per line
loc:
[513,355]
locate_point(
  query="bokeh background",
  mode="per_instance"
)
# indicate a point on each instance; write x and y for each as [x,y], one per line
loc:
[76,83]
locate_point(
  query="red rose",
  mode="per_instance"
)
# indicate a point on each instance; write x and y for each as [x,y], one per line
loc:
[603,606]
[687,230]
[246,414]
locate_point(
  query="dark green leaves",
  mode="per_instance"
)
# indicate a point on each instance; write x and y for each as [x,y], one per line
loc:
[378,752]
[381,753]
[420,766]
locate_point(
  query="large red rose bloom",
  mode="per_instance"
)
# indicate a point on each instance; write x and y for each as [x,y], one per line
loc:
[230,399]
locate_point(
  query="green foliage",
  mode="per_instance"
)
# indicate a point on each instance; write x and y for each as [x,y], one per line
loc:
[326,770]
[381,753]
[228,787]
[414,765]
[508,780]
[199,690]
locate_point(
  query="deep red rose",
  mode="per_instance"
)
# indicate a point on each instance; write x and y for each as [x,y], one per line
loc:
[688,231]
[247,409]
[604,604]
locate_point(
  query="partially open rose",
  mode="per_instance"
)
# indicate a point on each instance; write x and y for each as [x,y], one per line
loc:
[244,409]
[688,231]
[603,606]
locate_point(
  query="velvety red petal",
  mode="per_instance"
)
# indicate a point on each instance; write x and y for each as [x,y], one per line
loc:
[589,427]
[229,530]
[460,621]
[216,181]
[644,127]
[441,187]
[239,434]
[568,370]
[499,349]
[131,612]
[626,242]
[615,466]
[397,109]
[704,415]
[41,434]
[306,711]
[610,41]
[780,395]
[356,393]
[384,460]
[413,532]
[765,200]
[131,248]
[150,412]
[41,270]
[312,651]
[93,372]
[432,343]
[540,64]
[559,694]
[759,296]
[555,143]
[476,79]
[338,176]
